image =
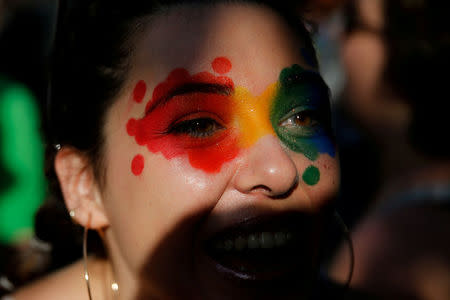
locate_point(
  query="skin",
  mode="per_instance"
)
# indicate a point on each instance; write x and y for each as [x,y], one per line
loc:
[154,220]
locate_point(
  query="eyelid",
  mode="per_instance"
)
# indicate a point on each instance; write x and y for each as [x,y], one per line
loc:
[198,115]
[295,111]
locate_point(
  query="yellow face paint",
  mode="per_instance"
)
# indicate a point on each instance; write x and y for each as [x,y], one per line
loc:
[252,114]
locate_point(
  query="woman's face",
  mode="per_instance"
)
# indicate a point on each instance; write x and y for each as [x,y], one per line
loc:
[218,158]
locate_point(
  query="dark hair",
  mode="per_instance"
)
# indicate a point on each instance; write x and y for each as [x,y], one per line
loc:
[93,46]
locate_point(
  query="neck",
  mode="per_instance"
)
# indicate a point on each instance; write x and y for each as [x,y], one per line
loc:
[119,271]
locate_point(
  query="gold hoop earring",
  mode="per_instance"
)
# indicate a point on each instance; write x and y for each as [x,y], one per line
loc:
[85,263]
[114,285]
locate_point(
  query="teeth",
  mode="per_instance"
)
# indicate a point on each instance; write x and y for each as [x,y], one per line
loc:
[267,240]
[289,236]
[280,238]
[240,243]
[228,245]
[264,240]
[253,241]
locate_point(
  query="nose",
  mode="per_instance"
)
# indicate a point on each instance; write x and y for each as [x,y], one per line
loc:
[266,168]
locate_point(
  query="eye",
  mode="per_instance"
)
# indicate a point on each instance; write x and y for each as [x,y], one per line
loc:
[303,118]
[301,122]
[197,128]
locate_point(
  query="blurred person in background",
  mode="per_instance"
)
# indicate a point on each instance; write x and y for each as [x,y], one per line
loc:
[396,56]
[356,192]
[25,33]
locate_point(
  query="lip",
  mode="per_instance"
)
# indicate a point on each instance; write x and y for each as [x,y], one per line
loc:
[264,264]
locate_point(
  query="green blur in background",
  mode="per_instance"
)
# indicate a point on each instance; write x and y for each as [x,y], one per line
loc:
[22,180]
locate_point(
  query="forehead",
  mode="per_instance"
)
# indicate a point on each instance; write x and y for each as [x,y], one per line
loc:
[254,38]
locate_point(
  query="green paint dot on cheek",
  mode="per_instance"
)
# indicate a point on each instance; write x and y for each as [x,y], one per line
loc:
[311,176]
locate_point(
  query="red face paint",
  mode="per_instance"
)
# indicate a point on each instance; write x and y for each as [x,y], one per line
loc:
[179,77]
[139,91]
[171,105]
[137,165]
[221,65]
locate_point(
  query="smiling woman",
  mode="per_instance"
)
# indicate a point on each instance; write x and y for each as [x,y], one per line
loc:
[195,140]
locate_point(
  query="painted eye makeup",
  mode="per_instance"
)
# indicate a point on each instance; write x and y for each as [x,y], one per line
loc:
[300,112]
[301,122]
[207,118]
[202,127]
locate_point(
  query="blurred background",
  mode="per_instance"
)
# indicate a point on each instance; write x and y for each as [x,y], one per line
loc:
[386,63]
[26,29]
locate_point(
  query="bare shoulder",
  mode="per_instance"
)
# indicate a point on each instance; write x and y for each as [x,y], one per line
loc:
[66,283]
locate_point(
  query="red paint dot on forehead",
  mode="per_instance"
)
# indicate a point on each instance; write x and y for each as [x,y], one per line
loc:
[139,91]
[137,165]
[221,65]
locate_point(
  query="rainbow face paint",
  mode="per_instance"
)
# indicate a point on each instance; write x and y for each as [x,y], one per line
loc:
[209,120]
[221,65]
[300,113]
[190,115]
[311,175]
[139,91]
[137,165]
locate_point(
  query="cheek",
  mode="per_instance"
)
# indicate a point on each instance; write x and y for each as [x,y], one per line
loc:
[144,210]
[319,180]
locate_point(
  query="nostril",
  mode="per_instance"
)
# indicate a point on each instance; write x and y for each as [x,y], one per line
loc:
[262,188]
[277,193]
[287,192]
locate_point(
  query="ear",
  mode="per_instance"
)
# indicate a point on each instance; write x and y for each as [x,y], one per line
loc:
[80,189]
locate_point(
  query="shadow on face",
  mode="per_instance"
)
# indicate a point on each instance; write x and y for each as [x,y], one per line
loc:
[176,269]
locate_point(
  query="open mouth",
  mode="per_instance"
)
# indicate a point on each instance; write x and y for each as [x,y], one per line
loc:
[263,248]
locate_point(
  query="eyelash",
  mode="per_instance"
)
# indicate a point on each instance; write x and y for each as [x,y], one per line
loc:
[203,127]
[310,118]
[301,116]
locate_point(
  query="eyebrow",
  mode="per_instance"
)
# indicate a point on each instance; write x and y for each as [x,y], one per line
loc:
[306,76]
[188,88]
[302,77]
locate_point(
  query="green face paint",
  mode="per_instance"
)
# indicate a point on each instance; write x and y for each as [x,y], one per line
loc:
[300,113]
[311,176]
